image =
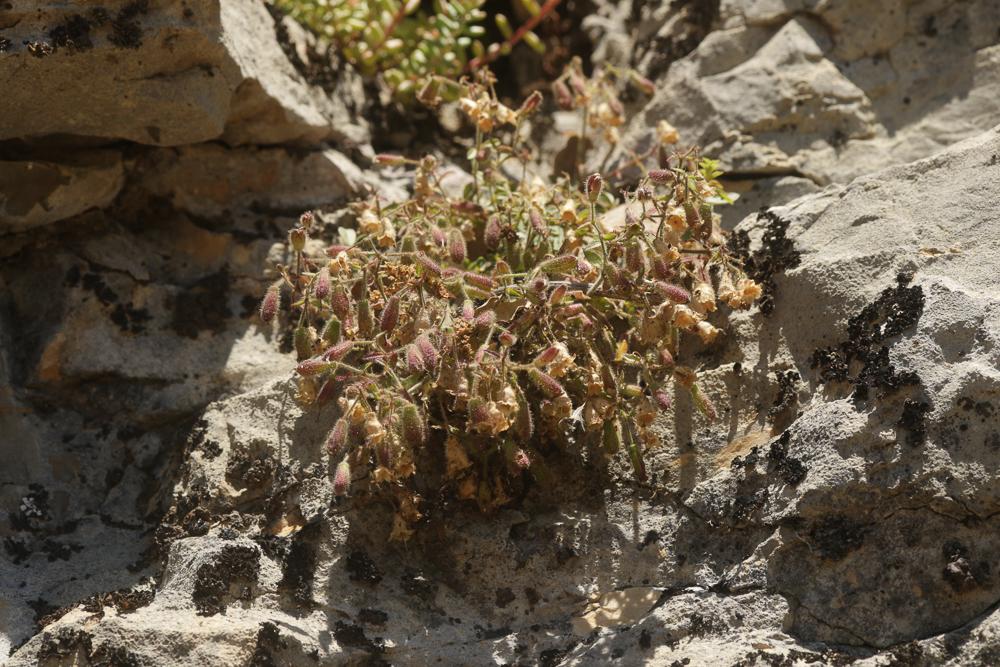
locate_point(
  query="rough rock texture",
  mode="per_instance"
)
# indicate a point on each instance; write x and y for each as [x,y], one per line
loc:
[812,91]
[843,511]
[162,73]
[164,501]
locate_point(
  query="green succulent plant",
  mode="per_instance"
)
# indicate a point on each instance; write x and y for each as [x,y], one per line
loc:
[407,45]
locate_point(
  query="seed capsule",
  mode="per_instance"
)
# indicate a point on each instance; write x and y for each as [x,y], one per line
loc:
[297,238]
[270,304]
[390,314]
[612,436]
[342,478]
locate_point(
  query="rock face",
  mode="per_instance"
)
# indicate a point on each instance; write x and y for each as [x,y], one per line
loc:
[164,500]
[161,73]
[811,92]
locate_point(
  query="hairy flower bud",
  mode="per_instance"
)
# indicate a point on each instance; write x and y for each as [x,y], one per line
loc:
[594,186]
[338,351]
[635,259]
[642,83]
[507,339]
[485,319]
[390,314]
[336,249]
[336,441]
[524,425]
[456,246]
[662,399]
[557,265]
[521,459]
[313,366]
[427,350]
[666,358]
[303,340]
[321,284]
[342,478]
[493,233]
[537,222]
[673,292]
[429,265]
[558,294]
[412,425]
[468,310]
[270,304]
[414,360]
[479,280]
[332,331]
[546,383]
[661,270]
[661,176]
[340,302]
[306,219]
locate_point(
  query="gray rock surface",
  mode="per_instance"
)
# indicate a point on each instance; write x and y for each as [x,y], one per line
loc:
[823,520]
[822,91]
[162,73]
[164,500]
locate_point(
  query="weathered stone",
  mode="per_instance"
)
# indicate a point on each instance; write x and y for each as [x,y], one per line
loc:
[164,74]
[38,192]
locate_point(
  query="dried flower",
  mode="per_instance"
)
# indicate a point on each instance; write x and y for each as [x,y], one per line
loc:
[297,238]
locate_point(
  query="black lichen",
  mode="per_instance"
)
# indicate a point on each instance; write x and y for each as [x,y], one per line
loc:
[791,470]
[360,567]
[776,255]
[896,309]
[235,565]
[836,536]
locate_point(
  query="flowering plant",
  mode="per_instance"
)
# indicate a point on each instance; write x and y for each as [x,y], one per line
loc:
[464,339]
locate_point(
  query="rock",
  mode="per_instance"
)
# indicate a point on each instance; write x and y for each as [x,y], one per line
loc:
[842,510]
[164,74]
[38,192]
[824,92]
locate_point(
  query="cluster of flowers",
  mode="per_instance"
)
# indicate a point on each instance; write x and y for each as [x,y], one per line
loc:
[465,339]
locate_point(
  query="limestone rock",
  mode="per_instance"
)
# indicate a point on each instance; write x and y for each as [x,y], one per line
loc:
[825,91]
[163,73]
[38,192]
[842,510]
